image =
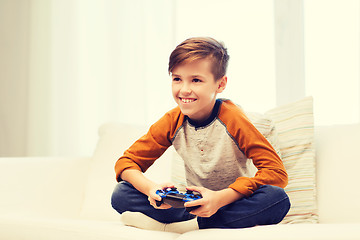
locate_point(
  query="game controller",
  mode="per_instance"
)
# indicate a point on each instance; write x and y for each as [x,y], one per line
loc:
[176,199]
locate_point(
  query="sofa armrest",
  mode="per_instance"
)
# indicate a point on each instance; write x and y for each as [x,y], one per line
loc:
[42,186]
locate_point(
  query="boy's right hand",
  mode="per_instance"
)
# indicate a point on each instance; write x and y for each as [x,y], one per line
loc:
[153,196]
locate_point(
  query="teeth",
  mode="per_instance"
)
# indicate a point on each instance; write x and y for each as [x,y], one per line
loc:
[187,100]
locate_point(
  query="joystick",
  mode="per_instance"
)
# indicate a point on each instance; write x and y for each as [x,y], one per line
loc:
[176,199]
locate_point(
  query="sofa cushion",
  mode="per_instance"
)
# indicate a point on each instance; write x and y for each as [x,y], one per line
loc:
[20,227]
[290,130]
[280,232]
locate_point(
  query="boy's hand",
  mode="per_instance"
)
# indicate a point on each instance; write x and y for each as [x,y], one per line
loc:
[212,200]
[209,202]
[153,196]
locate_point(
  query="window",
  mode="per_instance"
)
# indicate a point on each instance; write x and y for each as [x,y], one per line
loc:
[332,59]
[247,29]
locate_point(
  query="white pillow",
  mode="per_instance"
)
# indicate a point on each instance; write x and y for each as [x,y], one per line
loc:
[295,126]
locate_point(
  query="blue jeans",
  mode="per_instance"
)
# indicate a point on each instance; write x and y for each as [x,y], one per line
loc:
[268,205]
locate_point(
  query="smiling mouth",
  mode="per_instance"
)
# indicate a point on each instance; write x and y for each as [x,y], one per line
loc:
[187,100]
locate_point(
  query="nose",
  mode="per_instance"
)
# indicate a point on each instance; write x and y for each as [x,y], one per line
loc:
[185,89]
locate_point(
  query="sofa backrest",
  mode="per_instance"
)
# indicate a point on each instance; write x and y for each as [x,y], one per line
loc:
[337,161]
[337,164]
[42,186]
[114,139]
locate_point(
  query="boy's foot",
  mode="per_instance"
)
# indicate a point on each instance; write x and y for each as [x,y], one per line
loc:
[140,220]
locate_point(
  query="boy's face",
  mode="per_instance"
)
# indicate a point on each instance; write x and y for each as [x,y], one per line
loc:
[194,88]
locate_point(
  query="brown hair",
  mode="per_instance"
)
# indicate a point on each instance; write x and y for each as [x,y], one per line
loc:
[200,48]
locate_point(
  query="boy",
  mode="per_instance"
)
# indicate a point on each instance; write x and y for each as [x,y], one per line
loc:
[215,139]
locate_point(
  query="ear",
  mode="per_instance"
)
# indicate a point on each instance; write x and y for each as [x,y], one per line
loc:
[222,82]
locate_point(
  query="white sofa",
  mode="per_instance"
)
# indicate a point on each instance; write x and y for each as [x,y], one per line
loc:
[69,198]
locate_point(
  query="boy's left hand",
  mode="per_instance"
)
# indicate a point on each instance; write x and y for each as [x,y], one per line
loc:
[210,202]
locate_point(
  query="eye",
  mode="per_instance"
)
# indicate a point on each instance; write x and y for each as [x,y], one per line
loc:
[176,79]
[196,80]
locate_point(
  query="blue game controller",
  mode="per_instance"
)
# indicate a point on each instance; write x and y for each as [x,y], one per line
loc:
[176,199]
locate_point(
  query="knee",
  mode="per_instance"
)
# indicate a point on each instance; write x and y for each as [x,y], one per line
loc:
[274,192]
[119,201]
[278,197]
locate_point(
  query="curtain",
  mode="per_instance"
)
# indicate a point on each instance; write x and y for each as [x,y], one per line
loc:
[93,62]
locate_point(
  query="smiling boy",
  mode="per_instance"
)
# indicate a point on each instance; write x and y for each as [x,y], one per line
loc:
[194,88]
[216,141]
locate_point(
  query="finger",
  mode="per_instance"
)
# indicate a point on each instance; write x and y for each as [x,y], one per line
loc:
[156,197]
[197,211]
[194,188]
[164,206]
[201,212]
[153,197]
[151,200]
[167,185]
[198,202]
